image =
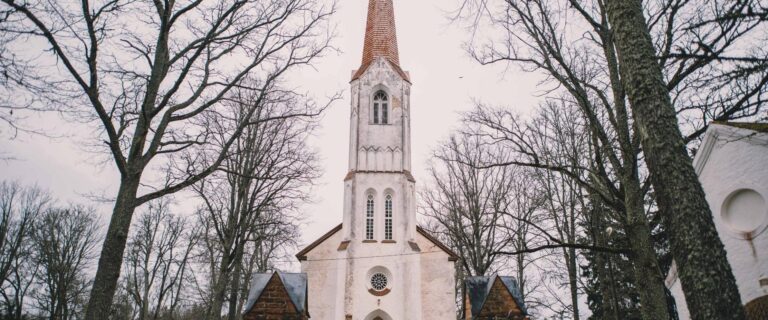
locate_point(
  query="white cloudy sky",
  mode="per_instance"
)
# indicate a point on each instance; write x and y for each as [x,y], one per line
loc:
[445,82]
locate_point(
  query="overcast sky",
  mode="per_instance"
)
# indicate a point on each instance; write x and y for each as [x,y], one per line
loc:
[445,82]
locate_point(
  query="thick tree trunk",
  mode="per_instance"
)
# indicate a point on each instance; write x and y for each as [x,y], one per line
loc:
[111,259]
[704,270]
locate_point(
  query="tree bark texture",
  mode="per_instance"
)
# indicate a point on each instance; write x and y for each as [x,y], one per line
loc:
[219,288]
[111,258]
[234,296]
[646,268]
[706,277]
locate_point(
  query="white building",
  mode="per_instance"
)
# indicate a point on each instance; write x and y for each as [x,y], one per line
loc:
[732,165]
[378,264]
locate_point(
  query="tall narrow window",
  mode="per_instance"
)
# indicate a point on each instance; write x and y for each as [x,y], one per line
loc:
[384,113]
[369,218]
[376,112]
[388,217]
[380,107]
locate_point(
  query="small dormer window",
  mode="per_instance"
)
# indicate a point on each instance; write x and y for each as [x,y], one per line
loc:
[380,108]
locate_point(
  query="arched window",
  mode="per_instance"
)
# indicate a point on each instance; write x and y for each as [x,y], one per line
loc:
[369,218]
[388,217]
[380,108]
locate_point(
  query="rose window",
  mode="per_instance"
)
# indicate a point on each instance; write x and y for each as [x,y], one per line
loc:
[379,281]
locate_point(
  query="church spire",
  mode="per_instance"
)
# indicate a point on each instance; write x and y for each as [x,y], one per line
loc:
[380,37]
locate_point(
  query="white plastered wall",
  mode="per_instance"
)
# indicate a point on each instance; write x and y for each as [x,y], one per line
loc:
[733,159]
[438,282]
[322,274]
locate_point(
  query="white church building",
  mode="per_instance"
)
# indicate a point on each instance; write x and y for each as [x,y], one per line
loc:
[732,164]
[378,264]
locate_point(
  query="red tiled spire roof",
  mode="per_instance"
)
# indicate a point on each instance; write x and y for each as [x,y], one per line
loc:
[380,36]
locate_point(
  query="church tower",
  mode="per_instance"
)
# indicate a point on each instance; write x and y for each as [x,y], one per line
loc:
[378,264]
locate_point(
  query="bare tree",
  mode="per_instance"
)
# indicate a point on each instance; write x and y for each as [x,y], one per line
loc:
[149,88]
[157,260]
[468,202]
[694,240]
[521,221]
[573,43]
[274,238]
[266,177]
[19,284]
[563,208]
[714,62]
[560,140]
[19,208]
[11,75]
[64,240]
[484,213]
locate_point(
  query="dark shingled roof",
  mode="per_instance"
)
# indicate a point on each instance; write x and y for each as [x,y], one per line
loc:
[478,288]
[294,283]
[754,126]
[452,256]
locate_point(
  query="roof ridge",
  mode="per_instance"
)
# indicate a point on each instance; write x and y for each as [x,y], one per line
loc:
[297,302]
[754,126]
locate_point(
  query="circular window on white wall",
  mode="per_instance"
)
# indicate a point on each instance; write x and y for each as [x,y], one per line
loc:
[745,211]
[379,281]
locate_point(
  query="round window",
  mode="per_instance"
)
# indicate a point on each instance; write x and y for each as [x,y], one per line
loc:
[744,210]
[378,281]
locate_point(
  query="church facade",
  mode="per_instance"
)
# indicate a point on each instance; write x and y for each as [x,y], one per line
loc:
[378,263]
